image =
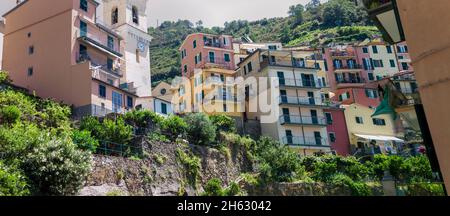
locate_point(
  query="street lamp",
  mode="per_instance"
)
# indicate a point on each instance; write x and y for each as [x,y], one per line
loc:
[385,15]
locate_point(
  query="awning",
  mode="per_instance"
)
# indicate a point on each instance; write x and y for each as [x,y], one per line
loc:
[380,138]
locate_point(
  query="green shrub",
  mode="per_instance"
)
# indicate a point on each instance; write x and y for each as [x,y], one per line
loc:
[233,190]
[357,188]
[174,127]
[157,137]
[25,103]
[223,123]
[57,167]
[425,189]
[17,141]
[54,115]
[4,77]
[85,141]
[192,165]
[12,182]
[214,188]
[142,118]
[10,114]
[116,131]
[378,166]
[92,125]
[200,130]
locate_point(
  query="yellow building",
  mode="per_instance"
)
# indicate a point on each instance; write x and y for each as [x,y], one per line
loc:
[370,135]
[283,92]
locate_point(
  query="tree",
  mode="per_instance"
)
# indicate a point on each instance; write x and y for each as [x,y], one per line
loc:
[200,129]
[313,11]
[199,24]
[296,11]
[342,13]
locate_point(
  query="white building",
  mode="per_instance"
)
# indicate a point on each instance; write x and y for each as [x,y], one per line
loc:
[129,19]
[243,49]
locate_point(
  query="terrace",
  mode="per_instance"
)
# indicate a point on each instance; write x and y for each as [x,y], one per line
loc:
[291,59]
[305,141]
[298,83]
[302,101]
[303,120]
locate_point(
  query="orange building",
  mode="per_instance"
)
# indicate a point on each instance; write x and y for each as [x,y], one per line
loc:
[58,50]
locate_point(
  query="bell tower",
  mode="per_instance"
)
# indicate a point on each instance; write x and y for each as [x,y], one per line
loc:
[129,19]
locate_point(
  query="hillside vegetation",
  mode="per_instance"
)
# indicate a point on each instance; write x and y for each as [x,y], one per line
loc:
[314,24]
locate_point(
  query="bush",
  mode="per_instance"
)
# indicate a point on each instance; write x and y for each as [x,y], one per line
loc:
[10,114]
[4,77]
[85,141]
[357,188]
[174,127]
[92,125]
[54,115]
[142,118]
[116,131]
[26,104]
[57,167]
[214,188]
[17,141]
[12,182]
[191,164]
[223,123]
[200,130]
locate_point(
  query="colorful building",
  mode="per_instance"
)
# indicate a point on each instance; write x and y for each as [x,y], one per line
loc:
[162,96]
[2,29]
[337,131]
[289,82]
[242,49]
[85,64]
[208,83]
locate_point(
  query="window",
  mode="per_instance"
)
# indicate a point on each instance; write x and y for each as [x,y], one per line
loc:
[272,47]
[29,34]
[370,93]
[371,76]
[245,69]
[31,50]
[109,64]
[375,49]
[110,42]
[250,67]
[378,63]
[135,14]
[365,50]
[405,66]
[329,118]
[225,108]
[379,122]
[389,49]
[84,5]
[227,57]
[138,60]
[224,41]
[83,29]
[332,137]
[212,58]
[185,68]
[196,59]
[359,120]
[129,102]
[392,63]
[110,81]
[30,71]
[326,65]
[102,91]
[117,102]
[115,16]
[344,96]
[164,108]
[194,44]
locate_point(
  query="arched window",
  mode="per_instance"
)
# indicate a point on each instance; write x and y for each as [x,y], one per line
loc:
[115,16]
[135,13]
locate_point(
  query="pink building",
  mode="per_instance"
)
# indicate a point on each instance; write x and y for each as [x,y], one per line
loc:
[58,50]
[337,131]
[199,50]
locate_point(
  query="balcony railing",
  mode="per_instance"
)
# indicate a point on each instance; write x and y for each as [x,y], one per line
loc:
[214,42]
[217,62]
[98,41]
[308,101]
[301,83]
[305,141]
[103,67]
[342,54]
[351,81]
[349,67]
[302,120]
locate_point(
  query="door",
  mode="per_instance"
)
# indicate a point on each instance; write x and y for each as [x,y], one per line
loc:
[281,78]
[83,29]
[314,118]
[289,137]
[312,100]
[286,115]
[83,53]
[116,102]
[318,138]
[109,64]
[212,57]
[308,80]
[283,96]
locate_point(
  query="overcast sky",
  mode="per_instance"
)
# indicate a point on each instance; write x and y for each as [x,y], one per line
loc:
[211,12]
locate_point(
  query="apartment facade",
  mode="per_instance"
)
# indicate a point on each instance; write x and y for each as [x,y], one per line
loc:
[243,49]
[82,65]
[337,130]
[2,29]
[208,82]
[288,81]
[162,96]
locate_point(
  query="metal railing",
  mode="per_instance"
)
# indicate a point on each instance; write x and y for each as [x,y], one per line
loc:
[83,57]
[350,81]
[311,101]
[118,150]
[342,54]
[301,83]
[99,41]
[292,64]
[303,120]
[305,141]
[217,61]
[349,67]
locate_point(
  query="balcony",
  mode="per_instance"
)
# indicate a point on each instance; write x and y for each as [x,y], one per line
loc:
[303,120]
[356,67]
[97,66]
[350,82]
[293,64]
[224,98]
[99,43]
[342,54]
[217,81]
[301,101]
[216,62]
[298,141]
[216,42]
[298,83]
